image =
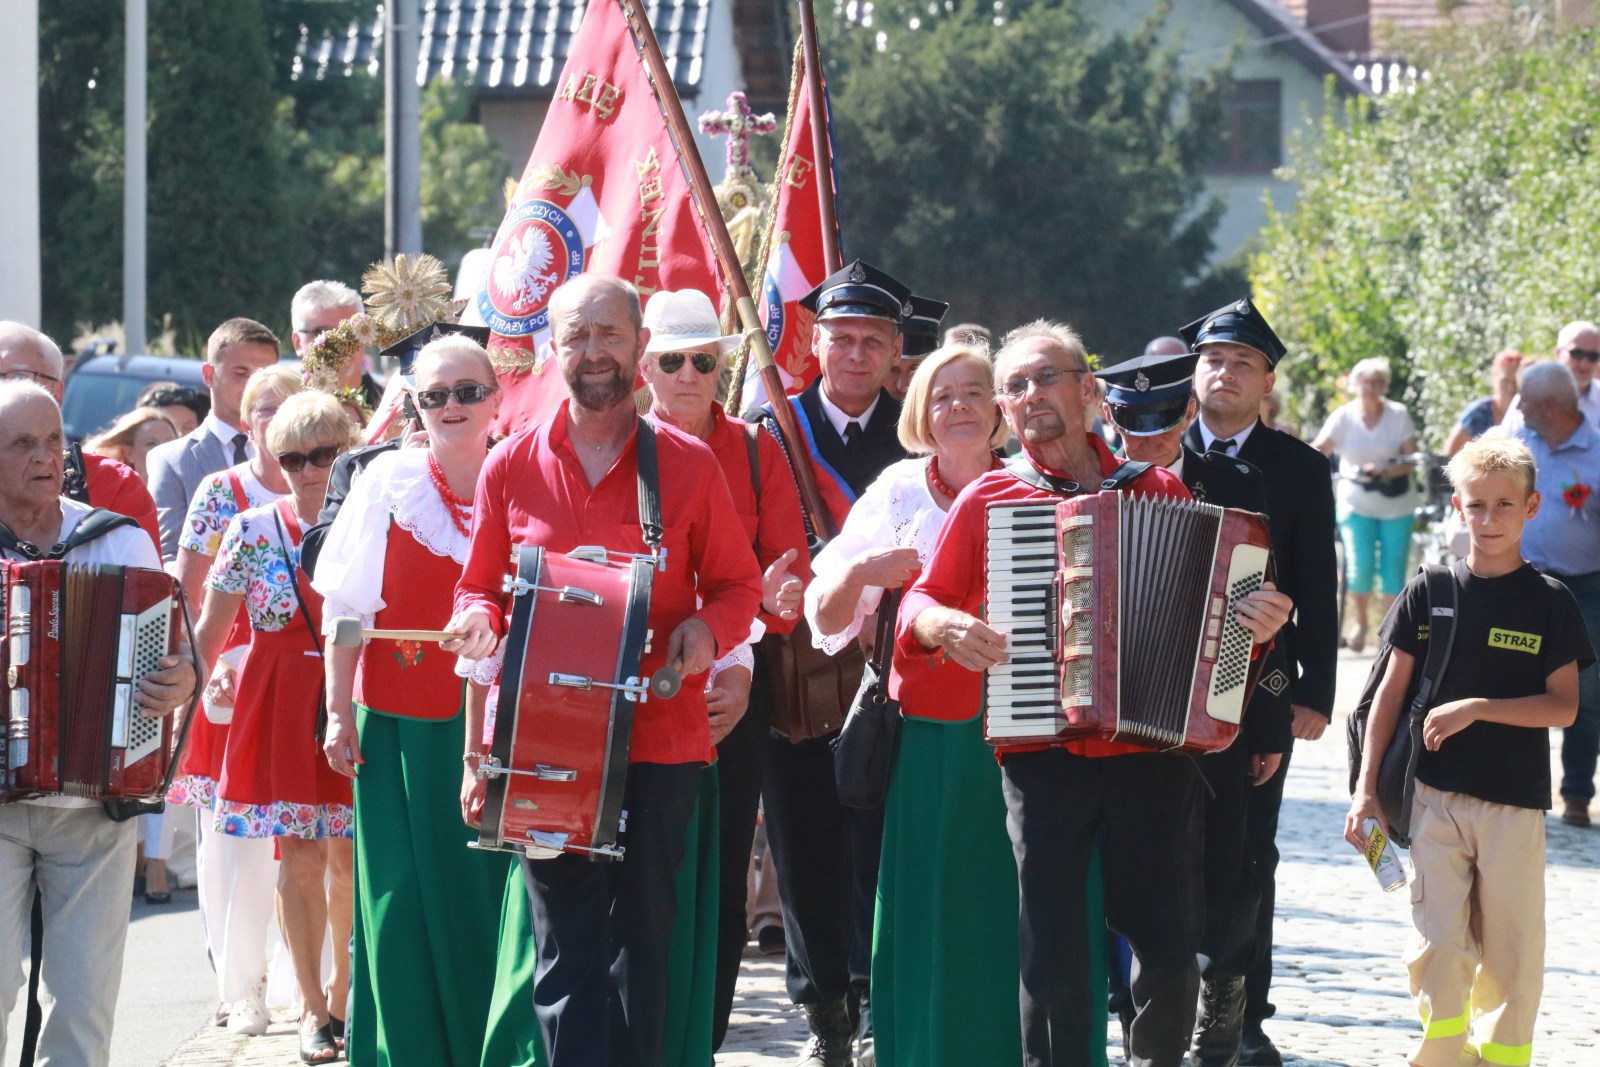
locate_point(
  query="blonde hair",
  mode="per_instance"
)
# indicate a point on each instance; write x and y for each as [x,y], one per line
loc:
[1495,451]
[916,428]
[277,379]
[459,343]
[115,442]
[1375,368]
[310,417]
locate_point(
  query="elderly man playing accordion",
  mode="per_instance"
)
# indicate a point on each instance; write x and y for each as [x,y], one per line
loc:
[603,928]
[79,858]
[1059,795]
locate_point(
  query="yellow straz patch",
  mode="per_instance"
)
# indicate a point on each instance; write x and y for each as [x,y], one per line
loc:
[1516,642]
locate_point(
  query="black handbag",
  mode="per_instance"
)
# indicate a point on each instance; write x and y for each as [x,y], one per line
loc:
[1398,485]
[863,753]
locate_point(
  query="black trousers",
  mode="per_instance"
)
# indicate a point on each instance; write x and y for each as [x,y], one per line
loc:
[1232,888]
[1149,805]
[1261,835]
[826,858]
[603,928]
[741,762]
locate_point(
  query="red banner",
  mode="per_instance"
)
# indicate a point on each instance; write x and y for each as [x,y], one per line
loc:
[602,191]
[794,255]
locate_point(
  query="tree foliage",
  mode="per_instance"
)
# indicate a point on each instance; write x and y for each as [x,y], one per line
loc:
[1025,165]
[259,179]
[1445,223]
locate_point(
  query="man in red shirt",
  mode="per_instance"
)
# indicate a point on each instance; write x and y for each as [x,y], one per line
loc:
[1059,797]
[26,354]
[602,929]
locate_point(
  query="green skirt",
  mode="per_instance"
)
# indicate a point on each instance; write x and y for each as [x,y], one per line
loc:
[426,926]
[512,1037]
[944,952]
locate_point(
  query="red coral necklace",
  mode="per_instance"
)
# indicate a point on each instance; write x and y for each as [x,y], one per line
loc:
[460,510]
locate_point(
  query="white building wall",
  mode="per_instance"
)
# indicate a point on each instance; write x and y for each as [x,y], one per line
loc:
[19,177]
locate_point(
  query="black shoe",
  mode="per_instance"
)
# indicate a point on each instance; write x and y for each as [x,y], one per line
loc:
[866,1056]
[830,1044]
[769,941]
[1256,1048]
[1216,1038]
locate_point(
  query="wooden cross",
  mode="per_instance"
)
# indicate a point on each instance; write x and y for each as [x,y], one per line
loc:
[739,123]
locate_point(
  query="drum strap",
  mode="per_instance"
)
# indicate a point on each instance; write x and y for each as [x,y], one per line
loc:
[1023,468]
[649,487]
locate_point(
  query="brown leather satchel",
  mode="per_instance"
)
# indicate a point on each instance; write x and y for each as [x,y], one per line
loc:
[811,690]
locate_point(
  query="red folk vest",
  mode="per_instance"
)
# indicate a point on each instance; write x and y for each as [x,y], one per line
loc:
[411,679]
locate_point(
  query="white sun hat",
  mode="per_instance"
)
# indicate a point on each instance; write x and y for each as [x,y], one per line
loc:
[685,319]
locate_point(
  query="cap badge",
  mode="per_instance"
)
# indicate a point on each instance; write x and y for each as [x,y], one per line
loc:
[857,274]
[905,310]
[1141,383]
[1242,307]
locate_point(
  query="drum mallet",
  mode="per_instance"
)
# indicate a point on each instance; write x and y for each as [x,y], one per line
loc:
[349,633]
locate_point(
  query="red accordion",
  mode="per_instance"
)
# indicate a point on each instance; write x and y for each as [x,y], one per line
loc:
[78,639]
[1118,611]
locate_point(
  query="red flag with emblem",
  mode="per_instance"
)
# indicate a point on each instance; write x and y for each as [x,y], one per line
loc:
[603,192]
[794,252]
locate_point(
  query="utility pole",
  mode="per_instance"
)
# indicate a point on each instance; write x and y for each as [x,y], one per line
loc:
[402,201]
[133,187]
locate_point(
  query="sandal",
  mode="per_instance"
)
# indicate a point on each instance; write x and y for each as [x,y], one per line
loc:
[336,1028]
[157,898]
[318,1046]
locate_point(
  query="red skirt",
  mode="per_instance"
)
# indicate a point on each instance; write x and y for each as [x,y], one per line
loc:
[273,757]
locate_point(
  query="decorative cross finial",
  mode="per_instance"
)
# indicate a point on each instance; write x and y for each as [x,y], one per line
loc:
[740,124]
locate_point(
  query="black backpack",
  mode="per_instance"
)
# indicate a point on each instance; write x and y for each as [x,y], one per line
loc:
[1397,774]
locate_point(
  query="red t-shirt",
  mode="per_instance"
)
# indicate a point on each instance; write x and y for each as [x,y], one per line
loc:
[956,577]
[533,490]
[773,525]
[116,487]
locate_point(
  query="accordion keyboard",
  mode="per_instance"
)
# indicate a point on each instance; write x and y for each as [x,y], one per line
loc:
[1022,696]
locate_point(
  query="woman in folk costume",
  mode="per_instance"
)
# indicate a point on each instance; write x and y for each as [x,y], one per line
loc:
[275,783]
[236,875]
[427,905]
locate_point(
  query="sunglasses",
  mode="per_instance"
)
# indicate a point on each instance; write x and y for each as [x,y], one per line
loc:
[473,393]
[1584,355]
[672,362]
[294,462]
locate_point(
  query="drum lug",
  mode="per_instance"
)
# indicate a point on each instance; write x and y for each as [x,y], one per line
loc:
[556,842]
[491,767]
[589,554]
[566,593]
[633,689]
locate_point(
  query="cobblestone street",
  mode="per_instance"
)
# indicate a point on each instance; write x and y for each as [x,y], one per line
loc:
[1340,987]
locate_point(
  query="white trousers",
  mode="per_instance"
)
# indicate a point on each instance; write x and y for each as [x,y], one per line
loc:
[82,864]
[238,879]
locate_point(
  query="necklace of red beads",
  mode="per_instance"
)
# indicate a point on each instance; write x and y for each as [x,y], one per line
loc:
[460,510]
[939,483]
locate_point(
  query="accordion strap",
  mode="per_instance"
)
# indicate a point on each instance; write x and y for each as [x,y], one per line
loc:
[1023,468]
[96,524]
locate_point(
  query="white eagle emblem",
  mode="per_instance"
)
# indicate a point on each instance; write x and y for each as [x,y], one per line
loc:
[522,271]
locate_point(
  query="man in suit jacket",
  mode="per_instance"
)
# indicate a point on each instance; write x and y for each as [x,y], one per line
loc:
[826,855]
[1238,354]
[236,349]
[1150,401]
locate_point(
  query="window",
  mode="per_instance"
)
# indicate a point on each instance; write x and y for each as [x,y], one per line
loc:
[1252,129]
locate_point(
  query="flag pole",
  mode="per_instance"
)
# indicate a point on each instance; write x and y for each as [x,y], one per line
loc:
[821,148]
[694,168]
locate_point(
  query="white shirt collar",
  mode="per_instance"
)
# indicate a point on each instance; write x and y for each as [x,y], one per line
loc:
[1176,466]
[225,433]
[1206,436]
[838,419]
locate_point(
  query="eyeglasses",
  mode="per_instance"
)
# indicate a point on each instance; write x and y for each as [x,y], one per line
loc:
[672,362]
[29,375]
[471,393]
[1583,354]
[294,462]
[1018,385]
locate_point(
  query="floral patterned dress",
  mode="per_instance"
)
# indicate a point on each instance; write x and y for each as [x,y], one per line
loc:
[218,499]
[275,782]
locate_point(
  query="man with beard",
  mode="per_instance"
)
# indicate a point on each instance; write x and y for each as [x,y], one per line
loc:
[1238,356]
[602,929]
[1061,796]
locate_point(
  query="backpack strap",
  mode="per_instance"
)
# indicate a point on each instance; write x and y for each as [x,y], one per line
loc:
[752,450]
[1441,635]
[75,475]
[91,527]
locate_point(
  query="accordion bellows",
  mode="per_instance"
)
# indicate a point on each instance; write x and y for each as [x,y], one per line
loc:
[1118,611]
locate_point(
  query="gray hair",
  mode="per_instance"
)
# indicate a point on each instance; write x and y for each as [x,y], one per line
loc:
[1571,330]
[1373,368]
[1058,334]
[18,335]
[321,295]
[1549,380]
[14,391]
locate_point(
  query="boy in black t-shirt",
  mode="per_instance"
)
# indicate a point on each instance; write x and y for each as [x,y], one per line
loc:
[1483,782]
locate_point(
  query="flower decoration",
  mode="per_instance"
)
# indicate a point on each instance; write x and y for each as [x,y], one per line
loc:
[1575,495]
[407,293]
